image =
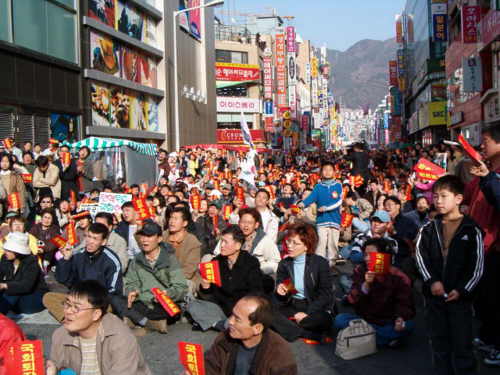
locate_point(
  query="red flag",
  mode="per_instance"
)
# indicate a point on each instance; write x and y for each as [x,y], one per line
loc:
[72,197]
[379,263]
[210,272]
[195,201]
[79,215]
[170,307]
[14,201]
[58,241]
[240,194]
[141,207]
[473,154]
[290,287]
[72,240]
[215,222]
[25,358]
[427,170]
[226,211]
[27,178]
[66,157]
[346,220]
[191,357]
[356,181]
[295,209]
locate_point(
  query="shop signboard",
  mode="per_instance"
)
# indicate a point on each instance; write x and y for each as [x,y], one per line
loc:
[230,104]
[393,73]
[235,136]
[236,72]
[268,77]
[472,76]
[490,26]
[282,100]
[470,19]
[290,39]
[437,113]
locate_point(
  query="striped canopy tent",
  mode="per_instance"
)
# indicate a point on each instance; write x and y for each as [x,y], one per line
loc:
[102,144]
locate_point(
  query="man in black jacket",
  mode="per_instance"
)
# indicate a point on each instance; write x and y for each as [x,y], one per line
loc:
[450,259]
[68,174]
[95,262]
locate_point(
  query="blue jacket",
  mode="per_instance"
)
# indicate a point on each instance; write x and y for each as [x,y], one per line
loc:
[327,194]
[104,267]
[490,186]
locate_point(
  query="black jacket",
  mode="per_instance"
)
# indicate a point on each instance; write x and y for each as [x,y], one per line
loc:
[68,177]
[245,277]
[26,280]
[464,265]
[318,282]
[123,229]
[104,266]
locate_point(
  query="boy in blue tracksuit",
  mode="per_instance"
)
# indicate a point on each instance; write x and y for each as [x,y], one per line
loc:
[327,195]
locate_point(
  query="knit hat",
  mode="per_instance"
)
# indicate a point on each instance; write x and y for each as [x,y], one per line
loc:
[17,242]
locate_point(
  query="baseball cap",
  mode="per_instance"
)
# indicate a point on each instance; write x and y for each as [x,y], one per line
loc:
[150,228]
[381,215]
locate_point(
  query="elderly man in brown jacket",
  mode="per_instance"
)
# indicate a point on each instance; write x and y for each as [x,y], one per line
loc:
[186,245]
[249,346]
[92,340]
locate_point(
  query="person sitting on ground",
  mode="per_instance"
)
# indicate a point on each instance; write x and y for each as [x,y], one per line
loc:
[155,267]
[114,241]
[209,227]
[128,227]
[92,340]
[420,215]
[44,231]
[240,272]
[384,300]
[379,224]
[270,222]
[186,246]
[361,209]
[249,345]
[17,223]
[95,262]
[22,284]
[304,293]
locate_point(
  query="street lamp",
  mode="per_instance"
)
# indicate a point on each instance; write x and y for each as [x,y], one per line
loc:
[176,78]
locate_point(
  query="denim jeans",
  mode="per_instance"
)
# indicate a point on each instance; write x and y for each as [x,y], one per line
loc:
[25,304]
[385,333]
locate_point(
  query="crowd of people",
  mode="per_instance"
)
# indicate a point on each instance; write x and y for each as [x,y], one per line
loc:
[293,250]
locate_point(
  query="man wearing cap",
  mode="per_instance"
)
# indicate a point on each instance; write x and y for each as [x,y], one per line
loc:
[95,262]
[155,267]
[227,197]
[379,224]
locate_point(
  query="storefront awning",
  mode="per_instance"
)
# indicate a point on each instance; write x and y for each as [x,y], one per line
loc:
[224,84]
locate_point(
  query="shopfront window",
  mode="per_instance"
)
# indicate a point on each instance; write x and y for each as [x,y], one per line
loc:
[48,27]
[234,57]
[240,91]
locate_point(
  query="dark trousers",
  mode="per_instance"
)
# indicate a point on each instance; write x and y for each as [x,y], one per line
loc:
[139,310]
[311,327]
[488,300]
[450,330]
[25,304]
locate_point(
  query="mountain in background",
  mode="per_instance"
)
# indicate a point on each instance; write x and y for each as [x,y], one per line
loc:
[360,75]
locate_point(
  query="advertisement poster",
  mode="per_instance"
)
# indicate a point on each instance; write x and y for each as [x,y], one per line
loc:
[184,17]
[120,109]
[129,21]
[470,20]
[104,54]
[138,113]
[112,203]
[130,65]
[154,125]
[236,72]
[100,103]
[150,32]
[282,99]
[103,11]
[195,19]
[62,127]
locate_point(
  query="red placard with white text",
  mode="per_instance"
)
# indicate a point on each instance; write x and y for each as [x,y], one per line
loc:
[191,357]
[380,263]
[210,271]
[166,302]
[473,154]
[25,358]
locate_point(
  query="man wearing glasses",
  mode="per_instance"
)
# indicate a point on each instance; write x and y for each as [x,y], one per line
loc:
[92,341]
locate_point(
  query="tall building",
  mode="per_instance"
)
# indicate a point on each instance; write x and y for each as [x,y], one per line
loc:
[40,90]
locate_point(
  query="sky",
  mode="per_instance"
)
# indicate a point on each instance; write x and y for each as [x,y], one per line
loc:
[338,23]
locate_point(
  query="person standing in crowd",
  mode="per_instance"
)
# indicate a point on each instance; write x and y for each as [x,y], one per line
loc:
[327,195]
[10,181]
[360,161]
[450,257]
[46,179]
[420,215]
[68,174]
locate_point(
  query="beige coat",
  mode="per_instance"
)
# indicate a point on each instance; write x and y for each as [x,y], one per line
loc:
[188,253]
[48,179]
[117,349]
[13,183]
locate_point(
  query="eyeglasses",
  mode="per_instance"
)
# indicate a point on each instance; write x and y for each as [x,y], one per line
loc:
[72,308]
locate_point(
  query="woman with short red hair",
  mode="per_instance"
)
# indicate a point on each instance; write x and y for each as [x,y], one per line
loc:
[305,288]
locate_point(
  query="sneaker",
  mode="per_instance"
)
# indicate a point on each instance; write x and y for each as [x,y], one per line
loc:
[493,359]
[157,325]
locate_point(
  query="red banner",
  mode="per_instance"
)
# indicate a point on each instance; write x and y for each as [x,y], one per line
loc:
[65,158]
[379,263]
[72,240]
[295,209]
[356,181]
[195,201]
[240,194]
[80,215]
[427,170]
[14,201]
[141,207]
[25,358]
[393,73]
[470,19]
[346,220]
[236,72]
[210,272]
[72,197]
[235,136]
[191,357]
[166,302]
[58,241]
[226,211]
[473,154]
[27,178]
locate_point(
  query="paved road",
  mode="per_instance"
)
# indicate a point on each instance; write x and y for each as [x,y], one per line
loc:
[161,353]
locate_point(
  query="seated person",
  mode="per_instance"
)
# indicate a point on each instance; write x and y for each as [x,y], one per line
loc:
[305,311]
[379,225]
[92,341]
[361,209]
[257,243]
[22,284]
[186,246]
[115,242]
[154,267]
[384,300]
[44,231]
[94,262]
[17,223]
[249,343]
[240,272]
[10,333]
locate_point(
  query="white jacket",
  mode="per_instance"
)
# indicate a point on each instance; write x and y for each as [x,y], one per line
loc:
[266,252]
[270,224]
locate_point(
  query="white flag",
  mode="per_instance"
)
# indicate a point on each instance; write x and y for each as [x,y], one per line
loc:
[247,137]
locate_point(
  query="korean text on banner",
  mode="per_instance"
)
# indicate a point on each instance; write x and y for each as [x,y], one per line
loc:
[191,357]
[473,154]
[380,263]
[470,20]
[210,271]
[282,100]
[112,203]
[166,302]
[25,358]
[427,170]
[14,201]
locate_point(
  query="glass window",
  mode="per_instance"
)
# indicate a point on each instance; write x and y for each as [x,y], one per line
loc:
[223,56]
[5,24]
[69,3]
[234,57]
[30,24]
[61,33]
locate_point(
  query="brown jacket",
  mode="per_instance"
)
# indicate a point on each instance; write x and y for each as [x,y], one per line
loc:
[188,253]
[273,356]
[13,183]
[48,179]
[118,352]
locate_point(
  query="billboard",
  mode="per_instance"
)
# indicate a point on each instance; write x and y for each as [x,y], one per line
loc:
[282,100]
[237,105]
[236,72]
[268,77]
[470,19]
[291,46]
[190,21]
[393,73]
